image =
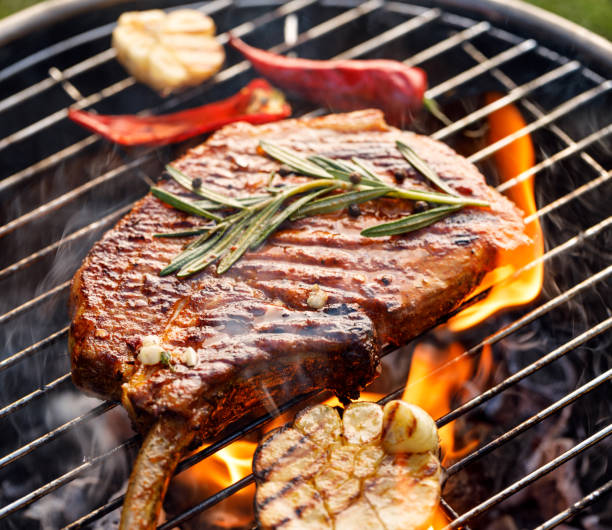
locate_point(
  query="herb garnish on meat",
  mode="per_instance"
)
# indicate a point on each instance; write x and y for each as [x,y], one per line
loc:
[337,184]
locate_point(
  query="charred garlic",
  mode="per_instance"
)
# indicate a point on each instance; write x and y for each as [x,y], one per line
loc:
[168,51]
[373,468]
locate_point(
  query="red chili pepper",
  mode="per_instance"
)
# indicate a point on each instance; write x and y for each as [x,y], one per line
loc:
[389,85]
[256,103]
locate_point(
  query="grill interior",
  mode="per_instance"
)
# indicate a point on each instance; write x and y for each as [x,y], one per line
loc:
[62,188]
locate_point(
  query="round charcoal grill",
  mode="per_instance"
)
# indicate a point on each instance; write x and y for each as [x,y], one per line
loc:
[64,458]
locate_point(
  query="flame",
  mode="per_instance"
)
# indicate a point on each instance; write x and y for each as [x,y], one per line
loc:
[219,471]
[511,161]
[436,376]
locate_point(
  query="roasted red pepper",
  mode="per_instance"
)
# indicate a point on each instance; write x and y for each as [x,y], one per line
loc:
[258,102]
[389,85]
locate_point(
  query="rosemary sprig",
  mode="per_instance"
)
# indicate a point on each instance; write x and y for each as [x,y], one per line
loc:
[181,204]
[246,222]
[202,190]
[285,214]
[299,164]
[422,167]
[410,222]
[338,202]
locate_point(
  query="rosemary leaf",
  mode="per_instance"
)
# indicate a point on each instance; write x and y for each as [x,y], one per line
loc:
[435,197]
[366,170]
[222,244]
[293,160]
[410,222]
[248,236]
[202,191]
[181,204]
[283,215]
[343,171]
[245,201]
[189,255]
[339,202]
[422,167]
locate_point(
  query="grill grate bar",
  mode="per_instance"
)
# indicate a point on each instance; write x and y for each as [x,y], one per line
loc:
[576,507]
[572,242]
[589,186]
[32,302]
[104,221]
[74,193]
[448,44]
[45,163]
[395,32]
[518,324]
[512,96]
[59,115]
[533,108]
[23,401]
[481,68]
[31,350]
[55,49]
[557,353]
[564,108]
[207,503]
[64,479]
[52,435]
[532,477]
[530,422]
[49,82]
[559,155]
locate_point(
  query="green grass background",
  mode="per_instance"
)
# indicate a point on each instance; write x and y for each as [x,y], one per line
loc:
[593,14]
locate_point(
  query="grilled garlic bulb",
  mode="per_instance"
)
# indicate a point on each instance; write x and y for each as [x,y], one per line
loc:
[168,51]
[351,472]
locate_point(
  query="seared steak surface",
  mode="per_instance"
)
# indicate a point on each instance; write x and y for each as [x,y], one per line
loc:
[256,338]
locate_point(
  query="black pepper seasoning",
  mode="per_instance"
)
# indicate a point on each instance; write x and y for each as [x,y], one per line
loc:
[355,178]
[354,210]
[400,175]
[196,183]
[421,206]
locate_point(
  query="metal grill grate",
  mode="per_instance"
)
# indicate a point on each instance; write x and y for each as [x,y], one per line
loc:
[43,212]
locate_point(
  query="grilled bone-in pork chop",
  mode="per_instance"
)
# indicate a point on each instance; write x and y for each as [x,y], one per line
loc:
[257,340]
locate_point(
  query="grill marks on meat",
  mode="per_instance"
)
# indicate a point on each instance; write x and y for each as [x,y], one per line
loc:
[255,335]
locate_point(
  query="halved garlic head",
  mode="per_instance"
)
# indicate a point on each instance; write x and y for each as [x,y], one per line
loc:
[328,472]
[168,51]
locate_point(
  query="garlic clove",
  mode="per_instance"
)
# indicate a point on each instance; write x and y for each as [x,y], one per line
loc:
[408,429]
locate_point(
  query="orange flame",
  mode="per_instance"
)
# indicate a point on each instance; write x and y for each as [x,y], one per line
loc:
[219,471]
[511,161]
[435,378]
